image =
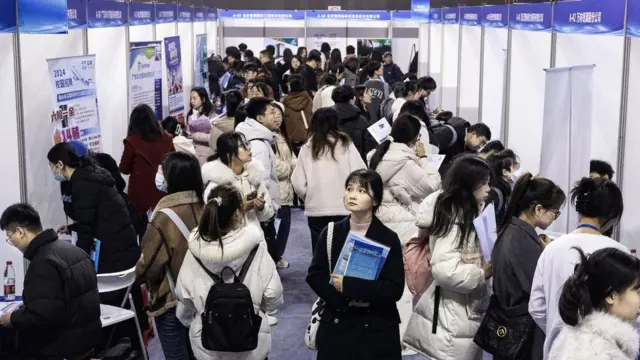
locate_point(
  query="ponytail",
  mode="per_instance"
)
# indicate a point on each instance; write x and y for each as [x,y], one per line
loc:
[404,130]
[575,300]
[218,215]
[379,154]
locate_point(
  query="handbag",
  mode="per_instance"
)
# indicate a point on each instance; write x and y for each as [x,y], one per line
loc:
[507,333]
[318,306]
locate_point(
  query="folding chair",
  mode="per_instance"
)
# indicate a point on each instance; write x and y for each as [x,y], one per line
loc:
[112,315]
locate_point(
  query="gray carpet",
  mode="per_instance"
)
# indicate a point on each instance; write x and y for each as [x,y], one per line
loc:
[293,316]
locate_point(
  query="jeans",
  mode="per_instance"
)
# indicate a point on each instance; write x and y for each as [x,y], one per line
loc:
[284,214]
[317,224]
[173,336]
[269,230]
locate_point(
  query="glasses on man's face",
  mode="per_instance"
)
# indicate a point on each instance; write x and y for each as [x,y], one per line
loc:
[8,239]
[556,214]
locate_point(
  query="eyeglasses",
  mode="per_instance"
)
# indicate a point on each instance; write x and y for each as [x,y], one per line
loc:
[556,214]
[8,239]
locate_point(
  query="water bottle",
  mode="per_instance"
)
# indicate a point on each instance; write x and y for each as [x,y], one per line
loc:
[9,282]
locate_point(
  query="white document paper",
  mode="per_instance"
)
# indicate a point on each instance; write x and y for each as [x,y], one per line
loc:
[276,224]
[486,230]
[380,130]
[435,161]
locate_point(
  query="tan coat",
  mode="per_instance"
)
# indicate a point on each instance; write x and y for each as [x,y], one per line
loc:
[163,234]
[285,163]
[219,126]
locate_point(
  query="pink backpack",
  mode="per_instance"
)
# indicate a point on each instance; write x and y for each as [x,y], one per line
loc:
[417,266]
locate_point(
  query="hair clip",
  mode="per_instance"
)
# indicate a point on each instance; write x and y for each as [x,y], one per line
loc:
[390,138]
[218,200]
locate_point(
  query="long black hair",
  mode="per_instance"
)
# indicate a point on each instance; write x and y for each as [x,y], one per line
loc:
[66,154]
[218,216]
[456,204]
[207,106]
[228,146]
[368,71]
[498,163]
[335,61]
[232,101]
[606,272]
[530,192]
[599,199]
[143,122]
[287,55]
[360,90]
[404,130]
[182,173]
[325,134]
[416,108]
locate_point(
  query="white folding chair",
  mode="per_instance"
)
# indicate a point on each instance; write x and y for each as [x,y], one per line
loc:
[112,315]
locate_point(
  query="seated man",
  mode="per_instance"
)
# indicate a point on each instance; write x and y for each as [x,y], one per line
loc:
[60,318]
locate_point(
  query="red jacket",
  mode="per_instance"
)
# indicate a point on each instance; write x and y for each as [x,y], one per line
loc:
[140,160]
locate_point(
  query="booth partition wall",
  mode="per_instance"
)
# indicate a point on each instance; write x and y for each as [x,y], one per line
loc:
[526,70]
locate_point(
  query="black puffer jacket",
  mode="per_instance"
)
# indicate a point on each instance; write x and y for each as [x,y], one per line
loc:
[101,213]
[61,313]
[355,125]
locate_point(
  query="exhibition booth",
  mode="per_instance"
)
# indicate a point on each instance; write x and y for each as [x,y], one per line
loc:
[551,80]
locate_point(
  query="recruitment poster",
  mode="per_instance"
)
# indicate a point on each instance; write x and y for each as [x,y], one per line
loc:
[366,46]
[201,66]
[75,103]
[330,38]
[175,83]
[281,44]
[145,70]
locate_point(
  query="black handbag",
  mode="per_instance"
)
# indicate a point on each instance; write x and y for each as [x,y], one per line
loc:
[506,333]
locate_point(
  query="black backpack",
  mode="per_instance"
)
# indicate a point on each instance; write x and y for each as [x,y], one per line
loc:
[229,322]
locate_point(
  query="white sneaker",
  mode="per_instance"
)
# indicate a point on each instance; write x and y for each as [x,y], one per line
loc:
[282,264]
[271,313]
[272,320]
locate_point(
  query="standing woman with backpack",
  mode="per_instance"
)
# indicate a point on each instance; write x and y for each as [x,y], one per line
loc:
[448,315]
[360,319]
[164,246]
[223,239]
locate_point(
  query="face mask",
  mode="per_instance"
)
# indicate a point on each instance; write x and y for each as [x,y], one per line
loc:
[160,183]
[515,176]
[58,177]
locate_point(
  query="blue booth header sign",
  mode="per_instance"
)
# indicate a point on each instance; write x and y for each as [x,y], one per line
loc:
[141,14]
[633,22]
[435,16]
[185,14]
[166,13]
[471,15]
[496,16]
[262,15]
[531,17]
[212,15]
[199,14]
[8,22]
[451,15]
[105,13]
[403,15]
[420,10]
[595,17]
[77,14]
[41,17]
[348,15]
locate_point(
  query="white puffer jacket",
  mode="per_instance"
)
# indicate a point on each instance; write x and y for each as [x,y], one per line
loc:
[463,297]
[599,336]
[216,173]
[407,181]
[285,163]
[194,283]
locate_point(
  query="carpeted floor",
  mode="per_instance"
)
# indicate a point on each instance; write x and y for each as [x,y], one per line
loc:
[293,316]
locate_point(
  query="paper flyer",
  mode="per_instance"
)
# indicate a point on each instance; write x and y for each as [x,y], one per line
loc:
[75,103]
[487,230]
[380,130]
[175,82]
[145,69]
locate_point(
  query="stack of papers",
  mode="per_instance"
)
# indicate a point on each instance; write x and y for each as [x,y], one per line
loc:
[361,258]
[380,130]
[435,160]
[7,307]
[487,230]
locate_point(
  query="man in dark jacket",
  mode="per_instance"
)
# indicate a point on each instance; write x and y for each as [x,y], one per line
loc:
[272,72]
[61,313]
[309,72]
[351,121]
[392,72]
[457,136]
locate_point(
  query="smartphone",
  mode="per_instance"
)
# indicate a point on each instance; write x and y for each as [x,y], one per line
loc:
[252,195]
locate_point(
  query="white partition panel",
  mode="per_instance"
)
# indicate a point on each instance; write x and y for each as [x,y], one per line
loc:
[494,63]
[435,64]
[43,192]
[141,33]
[255,44]
[185,31]
[212,38]
[469,102]
[331,31]
[10,161]
[366,30]
[423,57]
[110,48]
[606,52]
[450,67]
[530,55]
[199,28]
[285,29]
[163,31]
[630,226]
[405,42]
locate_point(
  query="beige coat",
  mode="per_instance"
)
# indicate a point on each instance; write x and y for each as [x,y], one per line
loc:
[285,163]
[219,126]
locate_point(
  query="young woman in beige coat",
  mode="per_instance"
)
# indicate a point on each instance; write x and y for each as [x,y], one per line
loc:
[226,122]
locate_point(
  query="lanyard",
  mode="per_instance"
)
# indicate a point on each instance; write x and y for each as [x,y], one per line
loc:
[588,226]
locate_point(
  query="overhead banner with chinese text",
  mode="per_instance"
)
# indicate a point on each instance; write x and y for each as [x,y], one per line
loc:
[594,17]
[75,102]
[145,69]
[175,83]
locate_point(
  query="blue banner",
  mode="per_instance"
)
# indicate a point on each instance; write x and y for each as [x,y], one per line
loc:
[262,14]
[420,10]
[633,21]
[106,13]
[471,15]
[77,14]
[141,14]
[598,17]
[530,17]
[8,21]
[496,16]
[199,14]
[435,16]
[42,17]
[348,15]
[166,13]
[212,14]
[403,15]
[451,15]
[173,59]
[185,14]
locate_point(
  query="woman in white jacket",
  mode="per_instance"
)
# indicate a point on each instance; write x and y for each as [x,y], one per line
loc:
[599,305]
[446,330]
[324,163]
[232,165]
[224,239]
